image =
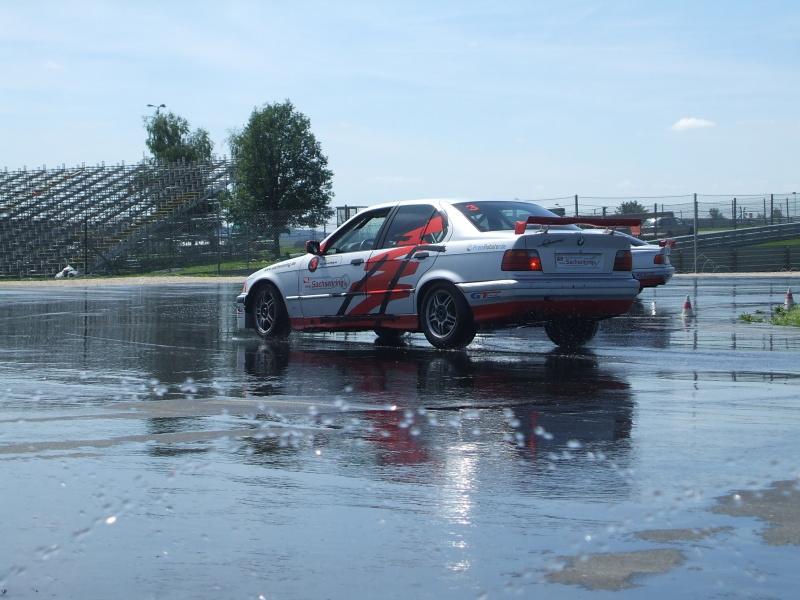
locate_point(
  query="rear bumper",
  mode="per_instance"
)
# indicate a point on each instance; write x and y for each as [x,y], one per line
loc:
[654,277]
[514,301]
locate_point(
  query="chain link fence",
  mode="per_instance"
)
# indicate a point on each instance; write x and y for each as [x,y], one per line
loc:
[171,219]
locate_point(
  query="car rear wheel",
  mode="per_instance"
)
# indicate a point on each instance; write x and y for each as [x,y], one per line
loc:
[570,332]
[269,313]
[446,317]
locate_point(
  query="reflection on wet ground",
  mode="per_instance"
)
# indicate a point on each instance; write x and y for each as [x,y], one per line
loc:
[148,447]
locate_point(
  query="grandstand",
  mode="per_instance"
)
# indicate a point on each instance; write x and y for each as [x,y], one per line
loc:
[105,218]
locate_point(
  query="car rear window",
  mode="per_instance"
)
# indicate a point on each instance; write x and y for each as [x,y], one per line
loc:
[502,215]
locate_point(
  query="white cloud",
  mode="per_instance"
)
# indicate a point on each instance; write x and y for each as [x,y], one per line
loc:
[51,65]
[687,123]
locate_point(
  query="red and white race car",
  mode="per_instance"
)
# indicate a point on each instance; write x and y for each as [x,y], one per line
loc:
[448,268]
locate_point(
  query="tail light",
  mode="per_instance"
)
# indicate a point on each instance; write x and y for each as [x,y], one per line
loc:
[623,261]
[521,260]
[659,259]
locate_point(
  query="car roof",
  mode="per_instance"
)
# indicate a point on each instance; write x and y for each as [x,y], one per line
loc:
[450,201]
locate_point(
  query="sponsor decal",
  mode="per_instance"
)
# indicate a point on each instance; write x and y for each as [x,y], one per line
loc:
[578,260]
[283,265]
[331,261]
[313,263]
[327,283]
[485,295]
[485,247]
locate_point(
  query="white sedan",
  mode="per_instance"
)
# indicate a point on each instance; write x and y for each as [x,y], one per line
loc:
[651,266]
[448,268]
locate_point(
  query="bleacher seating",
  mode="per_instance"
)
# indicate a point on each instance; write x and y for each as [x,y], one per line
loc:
[95,216]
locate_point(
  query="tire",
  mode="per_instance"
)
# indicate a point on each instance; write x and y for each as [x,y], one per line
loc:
[269,313]
[446,317]
[570,332]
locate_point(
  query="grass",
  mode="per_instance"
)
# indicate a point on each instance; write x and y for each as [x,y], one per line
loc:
[779,243]
[780,316]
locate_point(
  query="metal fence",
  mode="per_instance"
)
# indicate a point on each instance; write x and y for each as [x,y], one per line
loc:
[154,217]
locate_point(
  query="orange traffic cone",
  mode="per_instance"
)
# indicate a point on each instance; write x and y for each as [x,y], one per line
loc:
[789,301]
[687,308]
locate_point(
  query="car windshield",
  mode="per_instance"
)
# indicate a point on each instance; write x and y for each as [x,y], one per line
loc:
[502,215]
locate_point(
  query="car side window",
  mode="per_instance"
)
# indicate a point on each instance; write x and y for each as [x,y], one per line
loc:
[408,225]
[436,230]
[361,234]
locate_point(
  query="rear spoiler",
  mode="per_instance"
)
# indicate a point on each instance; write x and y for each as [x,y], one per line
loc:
[634,224]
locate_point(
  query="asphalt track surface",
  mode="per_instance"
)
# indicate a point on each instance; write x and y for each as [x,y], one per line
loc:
[148,450]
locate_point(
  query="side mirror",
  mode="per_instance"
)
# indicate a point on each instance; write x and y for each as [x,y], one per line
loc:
[312,247]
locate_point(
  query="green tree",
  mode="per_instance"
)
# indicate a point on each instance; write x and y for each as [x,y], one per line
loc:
[282,178]
[170,140]
[715,214]
[631,207]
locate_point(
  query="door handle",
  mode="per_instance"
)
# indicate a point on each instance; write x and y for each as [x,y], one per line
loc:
[357,261]
[421,255]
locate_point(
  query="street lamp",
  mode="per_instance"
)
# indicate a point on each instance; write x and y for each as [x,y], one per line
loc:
[157,106]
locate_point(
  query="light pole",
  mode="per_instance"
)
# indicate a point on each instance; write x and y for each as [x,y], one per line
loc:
[157,106]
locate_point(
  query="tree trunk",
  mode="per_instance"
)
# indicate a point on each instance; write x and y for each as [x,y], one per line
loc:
[276,242]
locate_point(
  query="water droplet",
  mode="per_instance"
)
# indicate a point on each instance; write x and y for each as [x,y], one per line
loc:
[111,520]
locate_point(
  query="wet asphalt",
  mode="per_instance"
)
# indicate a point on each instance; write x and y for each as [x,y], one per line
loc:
[149,450]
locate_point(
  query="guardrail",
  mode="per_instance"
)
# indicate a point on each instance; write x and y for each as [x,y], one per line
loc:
[747,236]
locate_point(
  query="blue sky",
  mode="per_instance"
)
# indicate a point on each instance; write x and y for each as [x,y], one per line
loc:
[419,99]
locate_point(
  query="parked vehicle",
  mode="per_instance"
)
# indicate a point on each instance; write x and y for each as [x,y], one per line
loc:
[651,265]
[666,226]
[448,268]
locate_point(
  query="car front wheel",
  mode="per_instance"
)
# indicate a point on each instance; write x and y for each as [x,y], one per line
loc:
[446,317]
[570,332]
[269,313]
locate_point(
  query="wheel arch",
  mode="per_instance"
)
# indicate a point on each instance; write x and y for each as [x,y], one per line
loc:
[431,280]
[252,291]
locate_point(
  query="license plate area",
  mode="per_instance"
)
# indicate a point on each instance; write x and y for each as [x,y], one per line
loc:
[586,262]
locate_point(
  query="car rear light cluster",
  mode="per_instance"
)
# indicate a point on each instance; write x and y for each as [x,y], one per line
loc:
[661,259]
[623,261]
[521,260]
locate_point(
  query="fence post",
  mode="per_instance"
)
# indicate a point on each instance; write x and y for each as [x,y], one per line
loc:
[765,211]
[772,209]
[655,220]
[85,245]
[734,213]
[576,204]
[694,237]
[219,241]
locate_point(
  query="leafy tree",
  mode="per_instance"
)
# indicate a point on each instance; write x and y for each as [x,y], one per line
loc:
[282,178]
[715,214]
[170,140]
[631,207]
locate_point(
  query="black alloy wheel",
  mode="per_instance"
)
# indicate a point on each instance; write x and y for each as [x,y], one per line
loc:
[446,317]
[269,313]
